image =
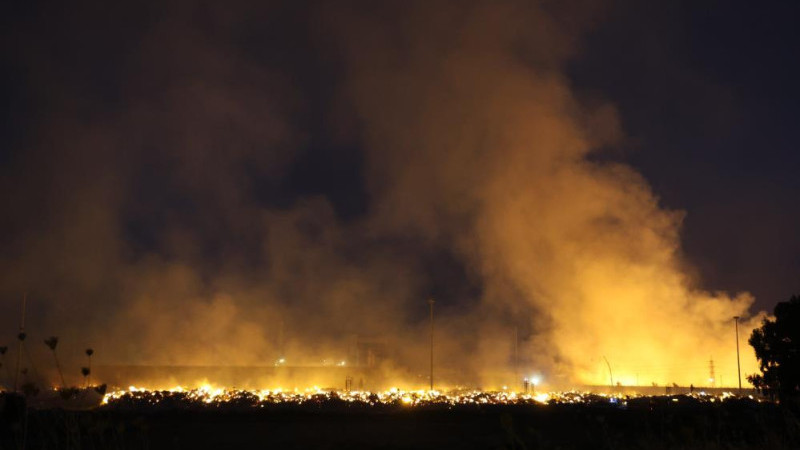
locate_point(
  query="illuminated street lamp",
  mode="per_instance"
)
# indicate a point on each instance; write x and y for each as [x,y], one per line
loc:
[534,381]
[610,375]
[738,365]
[431,302]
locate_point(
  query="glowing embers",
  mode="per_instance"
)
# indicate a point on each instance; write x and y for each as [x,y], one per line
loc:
[208,396]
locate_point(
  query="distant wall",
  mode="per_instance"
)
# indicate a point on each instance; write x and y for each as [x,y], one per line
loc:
[667,390]
[243,377]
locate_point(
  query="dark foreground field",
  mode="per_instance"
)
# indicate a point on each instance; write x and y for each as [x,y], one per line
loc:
[648,423]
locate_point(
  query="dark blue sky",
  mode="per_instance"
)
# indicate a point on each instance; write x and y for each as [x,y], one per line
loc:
[709,98]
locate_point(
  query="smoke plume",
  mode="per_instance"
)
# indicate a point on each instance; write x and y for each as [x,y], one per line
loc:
[188,207]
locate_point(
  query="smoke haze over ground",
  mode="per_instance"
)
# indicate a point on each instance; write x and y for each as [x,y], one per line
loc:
[209,185]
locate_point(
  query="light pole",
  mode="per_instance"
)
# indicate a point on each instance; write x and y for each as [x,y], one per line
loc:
[516,355]
[610,375]
[534,382]
[431,302]
[738,364]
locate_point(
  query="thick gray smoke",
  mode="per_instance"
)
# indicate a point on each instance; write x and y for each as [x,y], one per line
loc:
[163,222]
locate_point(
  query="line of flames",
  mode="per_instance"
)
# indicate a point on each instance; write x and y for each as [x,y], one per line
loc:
[210,395]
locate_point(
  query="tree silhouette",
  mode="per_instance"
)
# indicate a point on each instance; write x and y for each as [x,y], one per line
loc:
[777,347]
[52,342]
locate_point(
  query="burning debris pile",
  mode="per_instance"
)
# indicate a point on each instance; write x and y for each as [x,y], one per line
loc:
[217,398]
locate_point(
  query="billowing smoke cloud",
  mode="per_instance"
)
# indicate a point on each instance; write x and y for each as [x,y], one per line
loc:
[476,139]
[173,219]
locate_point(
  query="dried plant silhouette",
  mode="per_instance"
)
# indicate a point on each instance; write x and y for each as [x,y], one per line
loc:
[21,338]
[52,343]
[3,365]
[87,371]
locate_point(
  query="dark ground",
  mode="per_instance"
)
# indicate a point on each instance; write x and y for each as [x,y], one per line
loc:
[648,423]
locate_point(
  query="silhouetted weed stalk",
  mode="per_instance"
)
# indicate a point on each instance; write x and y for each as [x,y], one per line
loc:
[52,343]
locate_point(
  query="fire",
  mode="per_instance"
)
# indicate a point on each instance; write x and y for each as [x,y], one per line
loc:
[221,397]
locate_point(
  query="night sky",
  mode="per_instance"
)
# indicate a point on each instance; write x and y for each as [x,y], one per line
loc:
[138,135]
[709,100]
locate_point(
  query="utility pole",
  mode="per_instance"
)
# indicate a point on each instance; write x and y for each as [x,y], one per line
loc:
[280,341]
[738,365]
[711,375]
[516,356]
[431,302]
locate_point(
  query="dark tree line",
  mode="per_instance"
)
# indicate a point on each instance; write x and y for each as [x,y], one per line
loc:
[777,347]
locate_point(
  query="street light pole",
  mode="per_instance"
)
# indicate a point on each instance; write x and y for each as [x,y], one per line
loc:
[516,356]
[431,302]
[738,364]
[610,375]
